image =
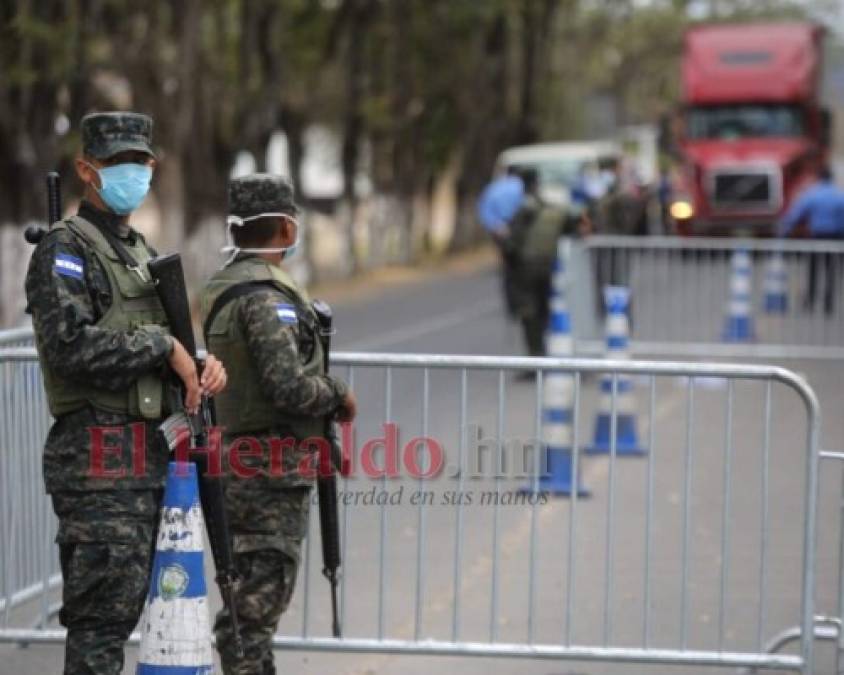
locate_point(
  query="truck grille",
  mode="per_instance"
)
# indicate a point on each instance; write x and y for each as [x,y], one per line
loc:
[744,190]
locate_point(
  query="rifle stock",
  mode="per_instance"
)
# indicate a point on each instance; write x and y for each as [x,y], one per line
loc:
[169,277]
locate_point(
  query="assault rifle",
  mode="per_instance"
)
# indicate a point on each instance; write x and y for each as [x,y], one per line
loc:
[329,464]
[166,272]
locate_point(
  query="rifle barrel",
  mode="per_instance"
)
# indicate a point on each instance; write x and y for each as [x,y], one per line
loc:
[35,233]
[54,197]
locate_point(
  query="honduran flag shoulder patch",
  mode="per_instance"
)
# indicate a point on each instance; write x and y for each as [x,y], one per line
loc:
[69,266]
[286,313]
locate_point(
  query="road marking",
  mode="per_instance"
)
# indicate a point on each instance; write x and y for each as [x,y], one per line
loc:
[430,325]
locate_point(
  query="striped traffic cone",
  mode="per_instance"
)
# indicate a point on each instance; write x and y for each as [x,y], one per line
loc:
[776,285]
[561,476]
[738,326]
[175,627]
[558,340]
[617,299]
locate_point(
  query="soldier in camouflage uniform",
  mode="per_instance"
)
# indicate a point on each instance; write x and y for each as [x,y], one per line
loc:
[535,229]
[105,352]
[262,326]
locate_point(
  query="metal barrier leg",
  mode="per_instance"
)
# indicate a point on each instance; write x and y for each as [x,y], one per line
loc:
[825,628]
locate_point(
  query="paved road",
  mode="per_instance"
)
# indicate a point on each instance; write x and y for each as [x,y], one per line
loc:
[460,313]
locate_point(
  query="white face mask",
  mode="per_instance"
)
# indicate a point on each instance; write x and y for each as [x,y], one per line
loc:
[237,221]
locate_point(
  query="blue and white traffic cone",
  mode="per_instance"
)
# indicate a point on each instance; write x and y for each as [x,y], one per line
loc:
[738,326]
[560,476]
[558,340]
[776,285]
[175,626]
[617,300]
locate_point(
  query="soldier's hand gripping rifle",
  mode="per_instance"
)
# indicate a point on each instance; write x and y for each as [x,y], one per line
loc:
[166,272]
[35,233]
[329,464]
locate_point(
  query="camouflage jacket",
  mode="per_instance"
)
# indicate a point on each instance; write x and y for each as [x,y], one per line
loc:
[278,350]
[65,309]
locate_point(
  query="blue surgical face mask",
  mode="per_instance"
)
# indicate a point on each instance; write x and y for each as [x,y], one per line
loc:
[291,250]
[124,186]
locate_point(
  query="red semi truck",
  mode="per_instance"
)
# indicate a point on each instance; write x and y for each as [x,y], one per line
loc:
[752,131]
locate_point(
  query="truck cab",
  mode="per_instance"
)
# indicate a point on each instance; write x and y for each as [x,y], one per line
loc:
[751,132]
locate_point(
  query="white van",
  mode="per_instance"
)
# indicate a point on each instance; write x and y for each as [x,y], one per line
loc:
[559,165]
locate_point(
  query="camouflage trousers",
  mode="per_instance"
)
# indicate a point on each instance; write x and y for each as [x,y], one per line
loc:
[268,527]
[106,542]
[533,289]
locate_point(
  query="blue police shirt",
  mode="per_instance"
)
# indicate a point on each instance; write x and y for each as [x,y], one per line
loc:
[822,208]
[499,202]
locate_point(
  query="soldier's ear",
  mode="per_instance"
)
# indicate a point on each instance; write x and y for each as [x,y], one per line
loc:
[287,232]
[86,172]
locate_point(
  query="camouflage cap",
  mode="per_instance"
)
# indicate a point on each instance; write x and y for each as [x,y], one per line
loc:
[109,133]
[261,193]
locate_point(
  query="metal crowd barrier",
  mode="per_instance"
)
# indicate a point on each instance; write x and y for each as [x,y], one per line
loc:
[17,337]
[694,555]
[682,290]
[27,526]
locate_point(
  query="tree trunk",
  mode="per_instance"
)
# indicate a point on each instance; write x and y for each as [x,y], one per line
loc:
[170,192]
[403,143]
[444,204]
[527,132]
[487,130]
[293,123]
[353,125]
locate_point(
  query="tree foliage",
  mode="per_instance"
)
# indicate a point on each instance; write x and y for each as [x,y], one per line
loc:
[418,82]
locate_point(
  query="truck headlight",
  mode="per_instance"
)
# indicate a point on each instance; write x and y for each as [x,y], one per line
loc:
[681,210]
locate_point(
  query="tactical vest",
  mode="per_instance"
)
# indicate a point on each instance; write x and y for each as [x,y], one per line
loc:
[540,243]
[242,406]
[134,305]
